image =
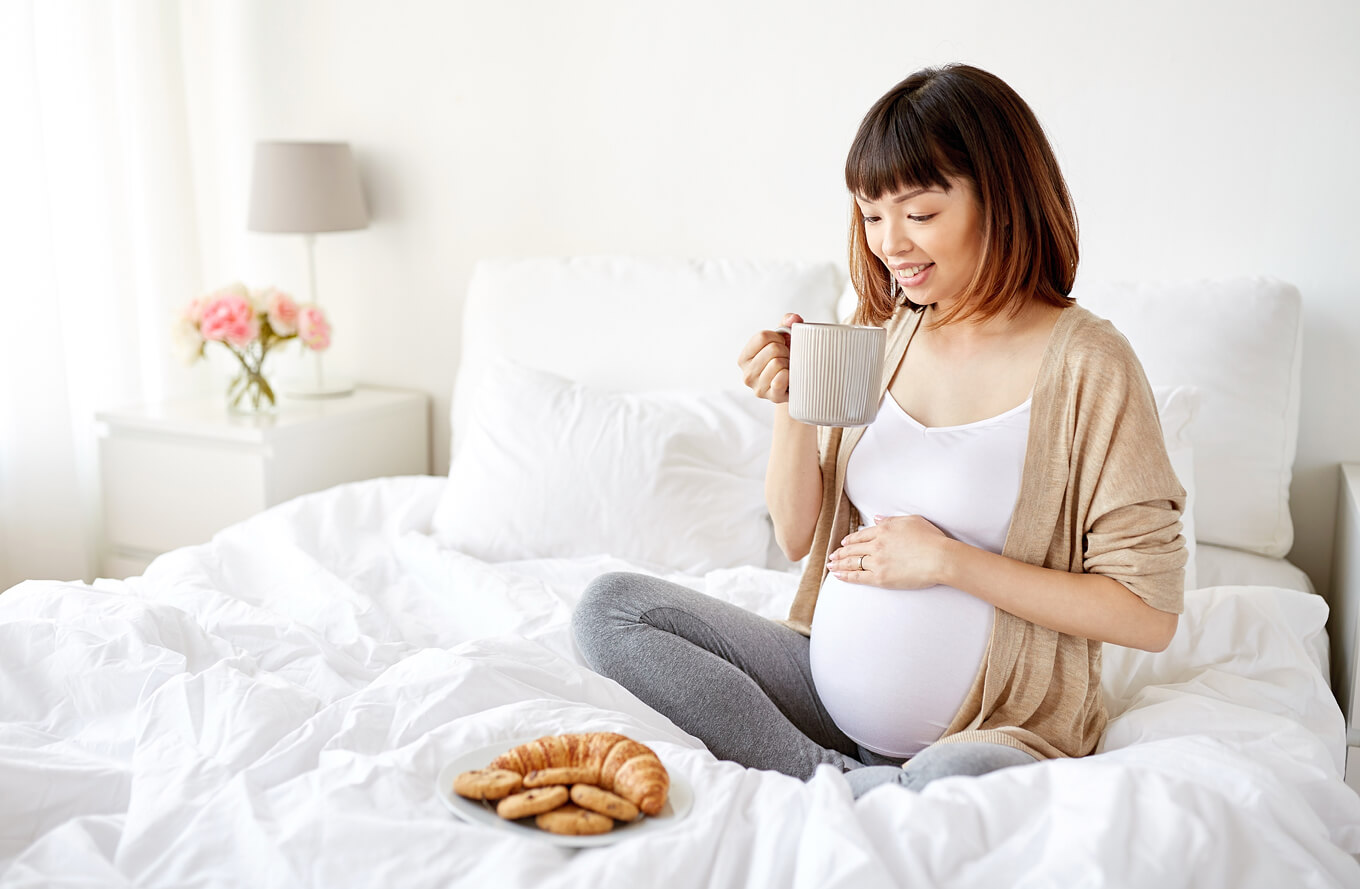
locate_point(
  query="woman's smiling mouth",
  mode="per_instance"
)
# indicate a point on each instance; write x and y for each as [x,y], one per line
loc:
[912,275]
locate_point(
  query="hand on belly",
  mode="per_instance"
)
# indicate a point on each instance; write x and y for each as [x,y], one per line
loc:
[896,552]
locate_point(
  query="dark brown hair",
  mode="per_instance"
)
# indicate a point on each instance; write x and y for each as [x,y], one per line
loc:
[961,122]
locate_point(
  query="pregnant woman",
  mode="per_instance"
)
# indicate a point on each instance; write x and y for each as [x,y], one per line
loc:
[1011,507]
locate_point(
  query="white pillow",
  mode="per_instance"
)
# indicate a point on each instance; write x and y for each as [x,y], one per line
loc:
[631,324]
[550,468]
[1176,407]
[1238,342]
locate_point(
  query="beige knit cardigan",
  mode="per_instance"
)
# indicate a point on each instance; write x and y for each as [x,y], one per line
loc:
[1097,495]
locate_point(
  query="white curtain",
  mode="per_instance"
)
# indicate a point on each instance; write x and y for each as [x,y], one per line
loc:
[98,250]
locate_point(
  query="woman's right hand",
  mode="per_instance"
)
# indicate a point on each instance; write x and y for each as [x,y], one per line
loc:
[764,362]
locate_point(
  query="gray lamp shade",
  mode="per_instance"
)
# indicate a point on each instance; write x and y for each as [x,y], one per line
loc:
[305,187]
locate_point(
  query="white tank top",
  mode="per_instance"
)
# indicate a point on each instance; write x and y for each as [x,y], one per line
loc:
[894,666]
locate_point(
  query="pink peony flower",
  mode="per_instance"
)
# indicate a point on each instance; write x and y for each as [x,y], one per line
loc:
[236,288]
[313,328]
[228,317]
[282,311]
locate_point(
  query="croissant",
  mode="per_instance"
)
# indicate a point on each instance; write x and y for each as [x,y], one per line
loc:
[625,767]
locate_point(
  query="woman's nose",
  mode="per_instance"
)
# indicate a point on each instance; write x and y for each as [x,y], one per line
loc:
[895,239]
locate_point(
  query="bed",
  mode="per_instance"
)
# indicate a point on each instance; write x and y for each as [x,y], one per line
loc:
[272,708]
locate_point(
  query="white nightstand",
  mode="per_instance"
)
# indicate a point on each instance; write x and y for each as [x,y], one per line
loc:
[1343,622]
[174,474]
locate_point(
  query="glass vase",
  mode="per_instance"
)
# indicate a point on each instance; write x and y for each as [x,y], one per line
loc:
[249,393]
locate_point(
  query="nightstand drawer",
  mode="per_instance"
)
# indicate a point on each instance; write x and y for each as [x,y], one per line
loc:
[159,495]
[1343,617]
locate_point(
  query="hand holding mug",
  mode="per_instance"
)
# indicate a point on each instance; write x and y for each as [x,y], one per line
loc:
[764,361]
[828,373]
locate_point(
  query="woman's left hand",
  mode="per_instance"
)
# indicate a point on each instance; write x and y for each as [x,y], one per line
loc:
[903,552]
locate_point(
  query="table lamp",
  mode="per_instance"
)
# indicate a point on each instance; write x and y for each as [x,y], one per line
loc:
[307,188]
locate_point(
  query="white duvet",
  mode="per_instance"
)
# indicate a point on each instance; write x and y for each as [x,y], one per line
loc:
[271,709]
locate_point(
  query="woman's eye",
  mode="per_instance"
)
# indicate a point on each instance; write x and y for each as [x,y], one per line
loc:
[870,219]
[922,218]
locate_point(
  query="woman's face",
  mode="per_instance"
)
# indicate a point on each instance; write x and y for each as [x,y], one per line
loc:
[930,239]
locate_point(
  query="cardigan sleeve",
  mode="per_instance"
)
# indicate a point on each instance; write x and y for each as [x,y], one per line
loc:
[1131,529]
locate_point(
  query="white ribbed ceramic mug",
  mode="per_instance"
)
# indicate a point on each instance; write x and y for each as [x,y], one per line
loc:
[834,372]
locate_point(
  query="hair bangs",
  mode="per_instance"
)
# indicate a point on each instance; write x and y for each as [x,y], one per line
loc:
[892,153]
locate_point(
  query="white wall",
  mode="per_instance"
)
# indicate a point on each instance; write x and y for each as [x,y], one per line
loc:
[1199,138]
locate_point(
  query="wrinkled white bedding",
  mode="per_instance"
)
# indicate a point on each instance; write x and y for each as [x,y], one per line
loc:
[271,709]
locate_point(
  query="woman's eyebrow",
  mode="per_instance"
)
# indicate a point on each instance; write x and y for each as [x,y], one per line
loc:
[900,198]
[909,195]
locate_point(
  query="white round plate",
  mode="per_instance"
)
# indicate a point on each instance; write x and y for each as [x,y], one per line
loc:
[678,803]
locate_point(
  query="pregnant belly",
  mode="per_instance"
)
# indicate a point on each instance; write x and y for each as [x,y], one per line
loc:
[893,667]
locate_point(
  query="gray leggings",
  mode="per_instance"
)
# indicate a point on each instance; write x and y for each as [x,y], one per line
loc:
[742,684]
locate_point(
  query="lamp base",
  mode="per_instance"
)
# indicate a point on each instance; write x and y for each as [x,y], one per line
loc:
[331,387]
